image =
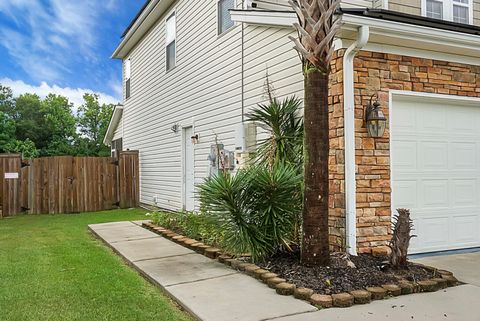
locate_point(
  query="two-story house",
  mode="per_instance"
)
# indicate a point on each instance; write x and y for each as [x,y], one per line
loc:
[192,69]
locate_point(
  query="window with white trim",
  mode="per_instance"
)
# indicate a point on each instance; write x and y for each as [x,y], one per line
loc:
[128,64]
[225,21]
[170,43]
[460,11]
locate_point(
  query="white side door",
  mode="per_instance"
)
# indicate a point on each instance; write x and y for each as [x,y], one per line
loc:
[188,170]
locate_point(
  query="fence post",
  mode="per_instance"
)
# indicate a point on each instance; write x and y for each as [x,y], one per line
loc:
[10,193]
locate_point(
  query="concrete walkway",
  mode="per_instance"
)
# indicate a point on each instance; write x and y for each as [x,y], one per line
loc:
[210,291]
[207,289]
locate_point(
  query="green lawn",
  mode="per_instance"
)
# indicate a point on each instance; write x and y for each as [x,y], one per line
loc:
[52,268]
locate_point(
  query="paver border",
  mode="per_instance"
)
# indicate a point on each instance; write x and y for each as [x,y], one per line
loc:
[441,279]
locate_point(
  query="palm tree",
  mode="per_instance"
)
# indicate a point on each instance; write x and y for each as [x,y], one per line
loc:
[317,26]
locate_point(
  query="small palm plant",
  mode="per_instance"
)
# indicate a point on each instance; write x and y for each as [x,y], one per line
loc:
[284,125]
[402,229]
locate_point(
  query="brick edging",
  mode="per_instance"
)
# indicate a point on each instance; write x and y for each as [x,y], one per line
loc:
[441,280]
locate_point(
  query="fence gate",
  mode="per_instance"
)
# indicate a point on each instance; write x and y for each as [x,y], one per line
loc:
[66,184]
[10,167]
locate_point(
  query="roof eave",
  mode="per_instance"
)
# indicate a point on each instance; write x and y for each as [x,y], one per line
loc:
[112,126]
[148,17]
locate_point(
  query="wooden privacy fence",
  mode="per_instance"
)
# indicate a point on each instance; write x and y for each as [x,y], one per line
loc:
[66,184]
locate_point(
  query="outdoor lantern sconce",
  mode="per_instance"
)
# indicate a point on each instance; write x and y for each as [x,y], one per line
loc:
[175,128]
[195,139]
[375,120]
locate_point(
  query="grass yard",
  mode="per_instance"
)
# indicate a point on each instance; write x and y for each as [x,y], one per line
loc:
[52,268]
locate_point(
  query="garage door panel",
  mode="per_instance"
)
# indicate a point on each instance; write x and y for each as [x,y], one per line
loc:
[405,120]
[465,229]
[464,155]
[437,230]
[407,194]
[465,192]
[433,119]
[436,171]
[405,155]
[462,122]
[434,193]
[433,155]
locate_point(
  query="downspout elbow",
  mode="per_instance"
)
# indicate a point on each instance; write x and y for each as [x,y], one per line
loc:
[349,132]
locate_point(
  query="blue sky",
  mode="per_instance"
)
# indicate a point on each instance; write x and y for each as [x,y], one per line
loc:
[63,46]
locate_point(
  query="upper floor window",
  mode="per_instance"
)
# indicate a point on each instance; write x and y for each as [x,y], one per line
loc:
[171,51]
[452,10]
[127,77]
[225,21]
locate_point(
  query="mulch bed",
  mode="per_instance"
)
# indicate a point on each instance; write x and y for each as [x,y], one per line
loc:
[346,281]
[338,277]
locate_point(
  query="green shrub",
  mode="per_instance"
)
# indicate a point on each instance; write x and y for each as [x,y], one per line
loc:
[257,209]
[190,224]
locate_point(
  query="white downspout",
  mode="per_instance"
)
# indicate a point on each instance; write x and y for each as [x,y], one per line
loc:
[349,132]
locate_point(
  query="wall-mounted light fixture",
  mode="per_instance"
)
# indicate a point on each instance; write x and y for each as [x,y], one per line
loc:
[175,128]
[195,139]
[375,120]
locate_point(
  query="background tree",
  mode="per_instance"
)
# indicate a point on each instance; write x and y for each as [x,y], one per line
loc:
[59,125]
[93,120]
[316,27]
[7,132]
[26,148]
[30,120]
[7,103]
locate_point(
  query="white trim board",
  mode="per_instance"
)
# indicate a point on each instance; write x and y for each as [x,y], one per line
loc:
[419,53]
[387,36]
[113,124]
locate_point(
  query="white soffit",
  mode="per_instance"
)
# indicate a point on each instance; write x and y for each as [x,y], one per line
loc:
[112,126]
[386,36]
[149,17]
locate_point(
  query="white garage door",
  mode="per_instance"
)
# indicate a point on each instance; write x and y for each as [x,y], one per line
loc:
[436,170]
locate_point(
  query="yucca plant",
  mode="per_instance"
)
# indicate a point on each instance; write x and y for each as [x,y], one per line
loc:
[257,209]
[227,200]
[284,125]
[278,203]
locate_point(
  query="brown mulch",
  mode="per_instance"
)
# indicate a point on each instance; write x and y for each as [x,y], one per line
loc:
[338,277]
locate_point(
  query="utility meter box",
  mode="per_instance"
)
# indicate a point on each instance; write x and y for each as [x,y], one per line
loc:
[245,137]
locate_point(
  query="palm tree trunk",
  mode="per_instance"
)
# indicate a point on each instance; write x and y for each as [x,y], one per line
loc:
[315,245]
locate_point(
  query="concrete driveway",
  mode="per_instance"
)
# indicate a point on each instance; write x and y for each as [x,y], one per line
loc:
[466,267]
[461,303]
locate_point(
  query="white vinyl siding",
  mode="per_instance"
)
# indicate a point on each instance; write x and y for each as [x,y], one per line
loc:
[270,50]
[203,91]
[119,131]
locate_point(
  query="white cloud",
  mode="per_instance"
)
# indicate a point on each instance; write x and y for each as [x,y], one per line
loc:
[75,95]
[58,33]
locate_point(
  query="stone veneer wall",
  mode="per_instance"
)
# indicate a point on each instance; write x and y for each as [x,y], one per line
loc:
[380,73]
[337,152]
